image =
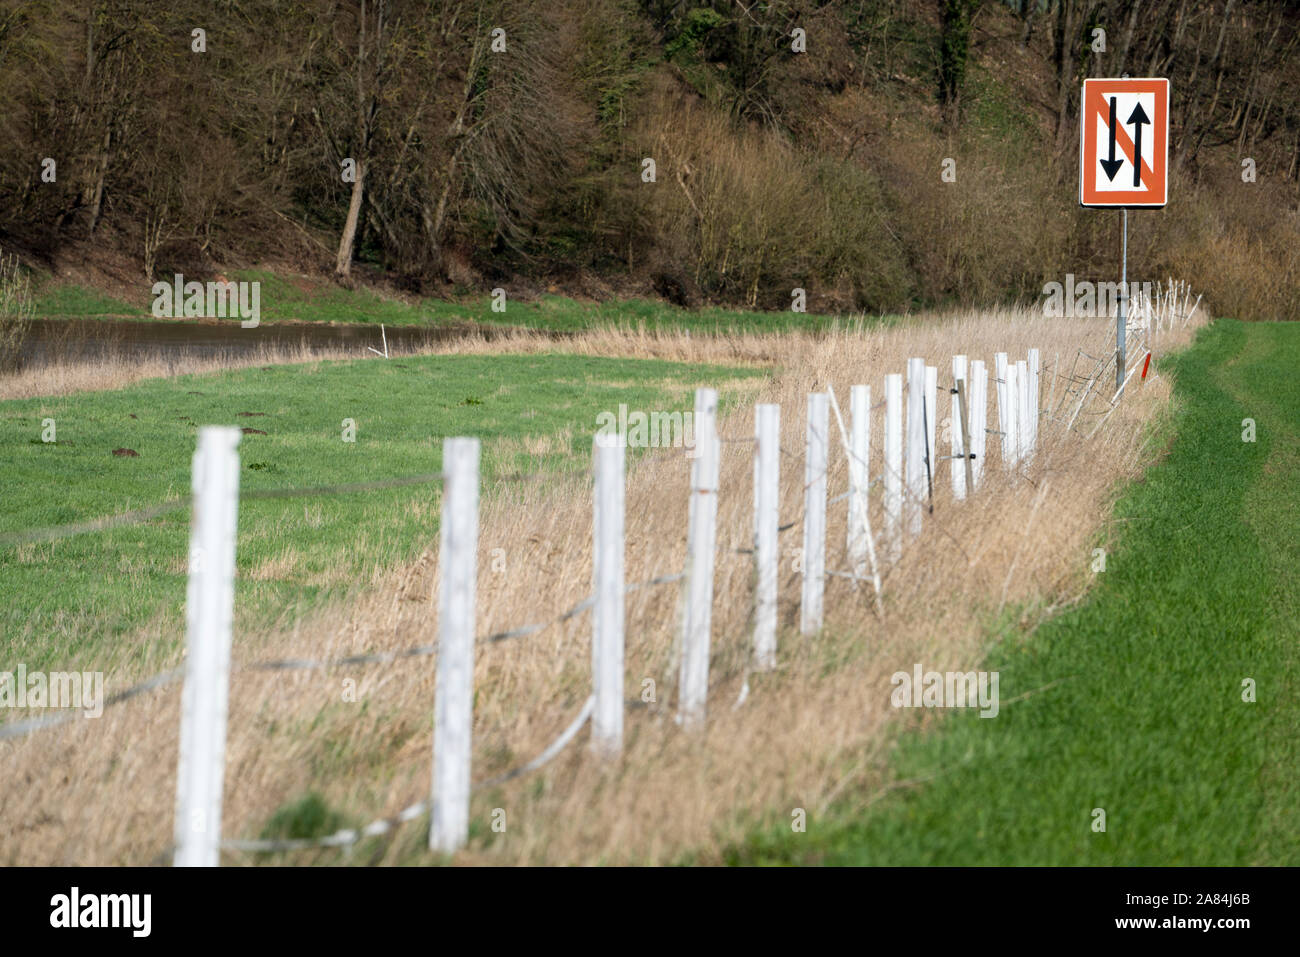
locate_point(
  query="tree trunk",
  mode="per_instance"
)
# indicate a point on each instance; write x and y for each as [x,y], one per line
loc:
[1122,62]
[1063,53]
[343,265]
[1028,8]
[434,219]
[97,194]
[366,105]
[954,49]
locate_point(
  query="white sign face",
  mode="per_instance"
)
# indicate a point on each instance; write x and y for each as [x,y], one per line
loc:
[1124,143]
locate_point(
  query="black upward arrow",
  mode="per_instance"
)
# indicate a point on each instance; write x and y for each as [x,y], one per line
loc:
[1112,165]
[1137,118]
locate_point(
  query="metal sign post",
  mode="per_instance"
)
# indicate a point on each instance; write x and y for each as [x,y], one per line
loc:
[1121,320]
[1124,164]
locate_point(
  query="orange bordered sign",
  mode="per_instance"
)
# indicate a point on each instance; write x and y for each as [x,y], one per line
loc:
[1124,143]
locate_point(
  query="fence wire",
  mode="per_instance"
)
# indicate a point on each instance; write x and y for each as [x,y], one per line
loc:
[138,516]
[381,826]
[142,515]
[16,729]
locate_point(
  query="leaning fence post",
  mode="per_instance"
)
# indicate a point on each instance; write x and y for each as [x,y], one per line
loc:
[454,702]
[894,464]
[979,399]
[958,422]
[915,444]
[767,492]
[931,410]
[607,589]
[863,517]
[814,513]
[693,683]
[859,475]
[209,613]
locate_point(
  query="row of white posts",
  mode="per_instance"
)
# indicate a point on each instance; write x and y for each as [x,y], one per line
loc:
[210,598]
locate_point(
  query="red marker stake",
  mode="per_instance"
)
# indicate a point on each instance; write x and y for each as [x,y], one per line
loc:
[1146,365]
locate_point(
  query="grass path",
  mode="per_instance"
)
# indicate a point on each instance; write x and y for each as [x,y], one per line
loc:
[1135,698]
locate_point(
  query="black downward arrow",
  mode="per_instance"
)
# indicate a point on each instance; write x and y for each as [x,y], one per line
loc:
[1112,165]
[1136,119]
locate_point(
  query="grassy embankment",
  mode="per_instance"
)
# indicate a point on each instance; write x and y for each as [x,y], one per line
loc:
[283,300]
[103,597]
[1133,701]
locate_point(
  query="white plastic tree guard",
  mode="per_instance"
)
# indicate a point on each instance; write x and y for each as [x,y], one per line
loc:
[693,682]
[816,457]
[454,693]
[209,613]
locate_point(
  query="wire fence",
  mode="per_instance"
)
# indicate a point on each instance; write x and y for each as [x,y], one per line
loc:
[903,484]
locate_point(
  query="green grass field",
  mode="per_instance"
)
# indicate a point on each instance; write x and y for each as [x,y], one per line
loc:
[85,598]
[60,300]
[282,300]
[1133,701]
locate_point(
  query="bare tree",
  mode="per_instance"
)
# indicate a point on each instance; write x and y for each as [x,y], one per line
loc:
[370,72]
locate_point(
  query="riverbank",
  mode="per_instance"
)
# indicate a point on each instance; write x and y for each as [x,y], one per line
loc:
[288,300]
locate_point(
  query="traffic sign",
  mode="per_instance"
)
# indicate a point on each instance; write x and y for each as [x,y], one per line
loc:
[1124,143]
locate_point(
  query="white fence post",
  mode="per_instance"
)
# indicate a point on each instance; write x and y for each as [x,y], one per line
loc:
[814,513]
[1025,430]
[979,405]
[607,589]
[454,704]
[1034,399]
[693,690]
[863,517]
[767,493]
[894,464]
[1000,388]
[859,475]
[209,613]
[1011,441]
[954,424]
[915,445]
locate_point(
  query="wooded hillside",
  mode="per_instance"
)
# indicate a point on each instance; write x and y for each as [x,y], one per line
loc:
[454,146]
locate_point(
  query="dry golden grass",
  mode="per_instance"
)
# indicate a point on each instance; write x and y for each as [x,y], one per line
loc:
[816,730]
[64,377]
